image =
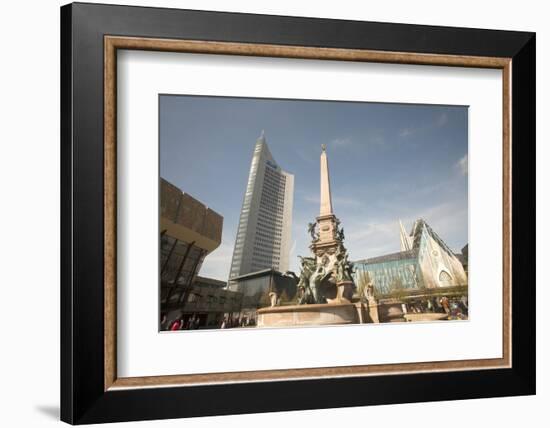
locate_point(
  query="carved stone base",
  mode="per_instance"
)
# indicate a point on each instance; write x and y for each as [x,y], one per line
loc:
[344,292]
[308,315]
[426,317]
[373,309]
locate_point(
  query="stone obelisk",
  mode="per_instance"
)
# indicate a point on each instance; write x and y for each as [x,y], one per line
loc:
[326,198]
[327,221]
[328,247]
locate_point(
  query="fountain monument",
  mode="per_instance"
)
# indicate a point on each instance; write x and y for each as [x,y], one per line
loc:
[325,286]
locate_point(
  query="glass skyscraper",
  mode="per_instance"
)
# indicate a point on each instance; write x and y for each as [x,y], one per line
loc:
[264,234]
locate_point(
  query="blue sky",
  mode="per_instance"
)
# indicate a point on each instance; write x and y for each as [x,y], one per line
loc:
[387,162]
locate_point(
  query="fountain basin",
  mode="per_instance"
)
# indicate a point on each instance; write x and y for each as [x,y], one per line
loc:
[426,316]
[308,315]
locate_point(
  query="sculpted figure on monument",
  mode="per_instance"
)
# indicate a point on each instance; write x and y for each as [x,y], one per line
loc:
[312,277]
[369,294]
[348,269]
[340,270]
[312,230]
[340,234]
[304,288]
[344,268]
[274,299]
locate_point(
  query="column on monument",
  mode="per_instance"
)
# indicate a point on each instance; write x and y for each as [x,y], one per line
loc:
[326,219]
[326,201]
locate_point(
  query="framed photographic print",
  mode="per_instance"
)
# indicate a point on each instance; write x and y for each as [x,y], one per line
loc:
[309,213]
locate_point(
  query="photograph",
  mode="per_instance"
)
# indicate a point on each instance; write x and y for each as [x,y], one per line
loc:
[277,213]
[279,210]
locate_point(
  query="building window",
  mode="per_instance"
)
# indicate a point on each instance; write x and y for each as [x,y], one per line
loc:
[445,280]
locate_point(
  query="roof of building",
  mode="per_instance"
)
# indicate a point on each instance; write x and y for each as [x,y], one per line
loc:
[209,281]
[421,224]
[460,257]
[401,255]
[256,274]
[188,219]
[416,234]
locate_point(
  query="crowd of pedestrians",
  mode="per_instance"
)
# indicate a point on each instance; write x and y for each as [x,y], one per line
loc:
[237,322]
[455,308]
[193,322]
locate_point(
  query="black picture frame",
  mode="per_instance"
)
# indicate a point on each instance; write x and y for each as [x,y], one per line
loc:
[83,399]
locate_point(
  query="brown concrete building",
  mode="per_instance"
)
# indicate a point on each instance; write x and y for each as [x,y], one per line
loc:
[189,231]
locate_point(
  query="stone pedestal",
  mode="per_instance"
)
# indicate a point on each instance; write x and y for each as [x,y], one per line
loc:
[425,317]
[390,312]
[308,315]
[344,292]
[373,309]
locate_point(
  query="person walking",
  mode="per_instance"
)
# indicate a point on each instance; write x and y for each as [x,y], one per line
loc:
[176,324]
[163,322]
[445,304]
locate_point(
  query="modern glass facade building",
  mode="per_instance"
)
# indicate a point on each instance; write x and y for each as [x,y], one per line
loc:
[425,262]
[256,287]
[264,234]
[389,272]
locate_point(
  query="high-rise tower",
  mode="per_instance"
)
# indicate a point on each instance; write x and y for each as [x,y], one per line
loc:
[327,221]
[264,235]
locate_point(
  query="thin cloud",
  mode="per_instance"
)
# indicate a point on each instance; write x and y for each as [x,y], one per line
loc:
[344,201]
[306,157]
[376,140]
[336,200]
[218,263]
[371,139]
[462,165]
[312,199]
[406,132]
[293,248]
[439,122]
[379,236]
[341,142]
[442,120]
